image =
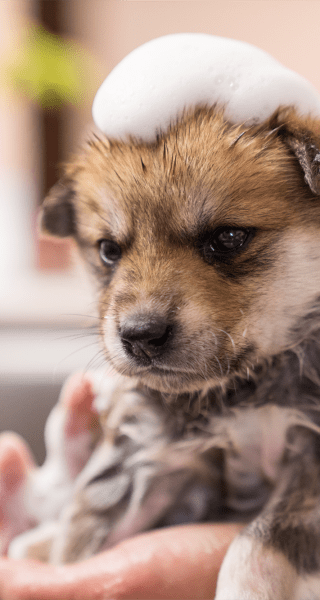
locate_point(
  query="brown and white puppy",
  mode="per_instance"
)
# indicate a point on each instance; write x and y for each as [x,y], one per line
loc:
[206,248]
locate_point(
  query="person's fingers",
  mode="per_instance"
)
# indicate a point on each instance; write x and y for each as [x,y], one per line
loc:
[16,464]
[16,461]
[32,580]
[175,563]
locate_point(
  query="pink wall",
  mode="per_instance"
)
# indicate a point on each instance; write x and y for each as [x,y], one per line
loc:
[288,29]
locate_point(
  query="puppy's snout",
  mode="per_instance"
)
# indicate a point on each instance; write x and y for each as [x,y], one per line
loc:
[145,338]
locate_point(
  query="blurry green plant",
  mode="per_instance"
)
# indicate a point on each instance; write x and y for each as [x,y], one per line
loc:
[49,69]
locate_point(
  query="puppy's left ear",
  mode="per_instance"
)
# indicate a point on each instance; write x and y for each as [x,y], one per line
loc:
[57,216]
[303,138]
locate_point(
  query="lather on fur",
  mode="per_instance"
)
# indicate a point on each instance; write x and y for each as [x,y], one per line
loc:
[206,248]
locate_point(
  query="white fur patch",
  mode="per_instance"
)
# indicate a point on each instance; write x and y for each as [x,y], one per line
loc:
[308,588]
[19,547]
[253,572]
[290,292]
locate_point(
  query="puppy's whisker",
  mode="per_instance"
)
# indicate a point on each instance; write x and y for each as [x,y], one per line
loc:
[91,345]
[100,355]
[92,330]
[80,336]
[215,339]
[234,142]
[219,363]
[96,317]
[230,338]
[228,368]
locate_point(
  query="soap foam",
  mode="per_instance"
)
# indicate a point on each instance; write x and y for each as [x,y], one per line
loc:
[152,86]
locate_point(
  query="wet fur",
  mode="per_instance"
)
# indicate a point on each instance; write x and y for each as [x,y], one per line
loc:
[244,351]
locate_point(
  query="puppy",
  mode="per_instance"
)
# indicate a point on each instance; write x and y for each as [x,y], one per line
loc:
[205,245]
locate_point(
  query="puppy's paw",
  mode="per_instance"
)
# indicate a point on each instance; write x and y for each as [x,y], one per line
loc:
[69,442]
[34,544]
[70,428]
[30,495]
[251,571]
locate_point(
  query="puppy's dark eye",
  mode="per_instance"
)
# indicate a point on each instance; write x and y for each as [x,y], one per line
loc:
[110,252]
[225,242]
[229,240]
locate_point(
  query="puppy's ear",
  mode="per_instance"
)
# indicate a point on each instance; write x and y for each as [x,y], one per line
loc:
[308,154]
[57,215]
[303,138]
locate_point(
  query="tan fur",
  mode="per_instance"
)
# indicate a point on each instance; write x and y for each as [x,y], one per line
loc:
[153,200]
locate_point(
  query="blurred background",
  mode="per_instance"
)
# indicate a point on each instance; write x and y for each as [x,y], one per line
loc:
[54,54]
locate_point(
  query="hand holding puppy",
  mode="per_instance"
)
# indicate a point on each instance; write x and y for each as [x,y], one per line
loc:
[172,563]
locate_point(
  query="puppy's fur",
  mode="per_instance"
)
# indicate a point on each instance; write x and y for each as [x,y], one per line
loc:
[206,248]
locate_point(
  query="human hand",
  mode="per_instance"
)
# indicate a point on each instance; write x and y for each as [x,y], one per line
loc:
[175,563]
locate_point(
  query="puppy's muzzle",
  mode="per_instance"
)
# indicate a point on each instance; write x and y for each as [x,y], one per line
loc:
[145,338]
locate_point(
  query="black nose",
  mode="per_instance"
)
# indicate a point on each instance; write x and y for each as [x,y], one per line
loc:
[145,338]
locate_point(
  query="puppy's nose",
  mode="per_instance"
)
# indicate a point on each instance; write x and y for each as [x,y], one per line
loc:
[145,338]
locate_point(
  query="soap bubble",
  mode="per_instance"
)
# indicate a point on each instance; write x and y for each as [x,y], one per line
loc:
[152,86]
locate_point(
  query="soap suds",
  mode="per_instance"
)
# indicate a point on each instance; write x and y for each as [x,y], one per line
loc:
[152,86]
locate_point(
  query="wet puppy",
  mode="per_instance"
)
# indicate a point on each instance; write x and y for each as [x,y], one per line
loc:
[206,248]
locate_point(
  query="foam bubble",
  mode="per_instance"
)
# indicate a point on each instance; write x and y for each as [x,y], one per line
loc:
[153,84]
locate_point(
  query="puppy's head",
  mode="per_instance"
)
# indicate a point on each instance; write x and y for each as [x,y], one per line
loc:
[205,243]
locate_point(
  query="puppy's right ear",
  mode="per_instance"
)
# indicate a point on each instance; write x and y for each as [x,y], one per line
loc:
[57,216]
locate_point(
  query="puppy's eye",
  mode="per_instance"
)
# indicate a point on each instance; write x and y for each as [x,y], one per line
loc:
[110,252]
[229,240]
[225,242]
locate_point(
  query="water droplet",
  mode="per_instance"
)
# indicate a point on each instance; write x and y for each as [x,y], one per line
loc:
[233,85]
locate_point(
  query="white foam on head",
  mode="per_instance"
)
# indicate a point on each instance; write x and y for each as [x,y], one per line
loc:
[151,86]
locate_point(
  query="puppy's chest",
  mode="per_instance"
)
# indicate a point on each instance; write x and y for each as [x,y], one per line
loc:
[221,466]
[255,444]
[215,465]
